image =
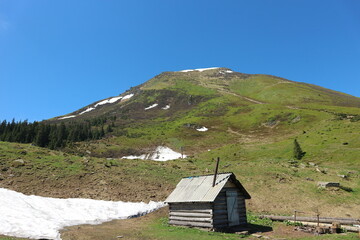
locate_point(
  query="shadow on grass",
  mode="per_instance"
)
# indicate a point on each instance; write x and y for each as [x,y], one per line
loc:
[251,228]
[347,189]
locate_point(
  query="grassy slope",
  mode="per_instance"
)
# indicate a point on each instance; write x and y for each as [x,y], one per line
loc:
[253,140]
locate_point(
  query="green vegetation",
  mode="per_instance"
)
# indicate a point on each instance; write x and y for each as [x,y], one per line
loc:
[252,122]
[161,230]
[53,136]
[298,153]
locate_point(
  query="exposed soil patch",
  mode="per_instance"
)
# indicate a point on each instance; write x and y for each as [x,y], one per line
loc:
[102,186]
[117,229]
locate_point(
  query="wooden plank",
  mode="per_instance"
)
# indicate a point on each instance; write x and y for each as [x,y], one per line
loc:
[187,219]
[219,212]
[220,204]
[191,224]
[220,207]
[209,211]
[313,219]
[223,223]
[312,224]
[185,206]
[224,206]
[189,214]
[220,217]
[220,198]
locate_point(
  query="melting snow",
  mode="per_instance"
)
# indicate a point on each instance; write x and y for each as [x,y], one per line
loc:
[127,97]
[226,71]
[202,129]
[87,110]
[106,101]
[161,153]
[115,99]
[199,69]
[42,218]
[111,100]
[166,107]
[152,106]
[71,116]
[135,157]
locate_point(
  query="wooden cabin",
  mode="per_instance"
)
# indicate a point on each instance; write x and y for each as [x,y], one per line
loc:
[202,201]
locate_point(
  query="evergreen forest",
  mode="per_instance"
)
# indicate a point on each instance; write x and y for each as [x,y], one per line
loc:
[55,136]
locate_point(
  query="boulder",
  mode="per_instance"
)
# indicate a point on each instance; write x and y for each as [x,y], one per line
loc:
[328,184]
[18,163]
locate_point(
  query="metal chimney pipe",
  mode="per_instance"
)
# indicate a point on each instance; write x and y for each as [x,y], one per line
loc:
[216,171]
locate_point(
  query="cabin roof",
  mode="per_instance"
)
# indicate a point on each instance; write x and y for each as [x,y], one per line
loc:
[200,189]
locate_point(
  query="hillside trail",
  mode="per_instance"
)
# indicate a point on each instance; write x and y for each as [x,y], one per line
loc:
[226,91]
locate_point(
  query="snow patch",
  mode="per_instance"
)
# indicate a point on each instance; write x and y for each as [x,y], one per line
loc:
[127,97]
[161,153]
[41,218]
[199,69]
[131,157]
[225,71]
[114,99]
[202,129]
[71,116]
[151,106]
[87,110]
[166,107]
[106,101]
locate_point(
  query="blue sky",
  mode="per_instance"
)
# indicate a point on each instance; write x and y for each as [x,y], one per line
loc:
[58,56]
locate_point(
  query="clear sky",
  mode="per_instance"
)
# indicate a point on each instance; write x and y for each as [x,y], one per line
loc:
[59,56]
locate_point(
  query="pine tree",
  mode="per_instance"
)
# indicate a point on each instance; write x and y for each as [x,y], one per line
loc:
[298,153]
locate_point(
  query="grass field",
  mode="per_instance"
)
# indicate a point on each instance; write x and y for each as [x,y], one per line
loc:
[252,122]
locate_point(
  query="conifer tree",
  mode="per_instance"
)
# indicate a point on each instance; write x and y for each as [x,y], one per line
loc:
[298,153]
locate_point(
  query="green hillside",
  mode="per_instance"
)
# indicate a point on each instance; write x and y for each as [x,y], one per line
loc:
[252,121]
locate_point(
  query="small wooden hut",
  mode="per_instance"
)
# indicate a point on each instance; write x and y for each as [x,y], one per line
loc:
[202,201]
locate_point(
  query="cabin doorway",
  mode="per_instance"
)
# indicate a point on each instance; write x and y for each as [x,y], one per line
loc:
[232,208]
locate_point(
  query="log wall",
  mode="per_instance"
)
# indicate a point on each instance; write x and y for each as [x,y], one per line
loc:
[205,214]
[191,214]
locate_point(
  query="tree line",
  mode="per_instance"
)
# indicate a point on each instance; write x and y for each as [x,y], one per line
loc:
[55,136]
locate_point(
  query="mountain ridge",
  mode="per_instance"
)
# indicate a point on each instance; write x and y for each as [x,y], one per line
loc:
[207,78]
[249,121]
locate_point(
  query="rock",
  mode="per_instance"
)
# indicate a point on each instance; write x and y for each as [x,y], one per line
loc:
[297,119]
[256,235]
[18,163]
[328,184]
[102,182]
[312,164]
[320,170]
[243,233]
[343,176]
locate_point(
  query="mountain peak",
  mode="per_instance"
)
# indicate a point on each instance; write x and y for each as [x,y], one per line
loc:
[206,69]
